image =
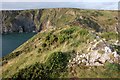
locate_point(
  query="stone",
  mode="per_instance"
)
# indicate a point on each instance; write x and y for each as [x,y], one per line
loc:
[108,50]
[97,64]
[79,62]
[87,64]
[69,61]
[105,57]
[77,53]
[74,59]
[77,56]
[81,56]
[83,61]
[95,55]
[115,54]
[87,57]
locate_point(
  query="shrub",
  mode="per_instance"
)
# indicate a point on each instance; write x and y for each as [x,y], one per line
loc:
[44,45]
[39,50]
[117,48]
[69,31]
[113,66]
[33,72]
[61,38]
[47,38]
[53,38]
[57,63]
[66,34]
[50,39]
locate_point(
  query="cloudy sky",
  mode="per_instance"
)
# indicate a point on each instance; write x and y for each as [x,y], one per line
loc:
[60,0]
[37,4]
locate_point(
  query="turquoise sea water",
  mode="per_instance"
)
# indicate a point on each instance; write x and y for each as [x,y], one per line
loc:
[13,40]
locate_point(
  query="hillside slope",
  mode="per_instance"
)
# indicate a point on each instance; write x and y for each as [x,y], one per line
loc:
[37,20]
[75,43]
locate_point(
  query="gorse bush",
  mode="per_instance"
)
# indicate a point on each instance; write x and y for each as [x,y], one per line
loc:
[51,38]
[61,38]
[44,45]
[69,31]
[33,72]
[117,48]
[66,34]
[74,32]
[56,64]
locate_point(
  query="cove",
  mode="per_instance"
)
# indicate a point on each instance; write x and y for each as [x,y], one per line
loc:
[12,41]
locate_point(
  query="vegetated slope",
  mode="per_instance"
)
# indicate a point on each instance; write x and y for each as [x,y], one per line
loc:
[69,50]
[63,53]
[37,20]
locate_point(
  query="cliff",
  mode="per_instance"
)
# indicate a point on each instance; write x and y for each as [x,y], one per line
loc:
[37,20]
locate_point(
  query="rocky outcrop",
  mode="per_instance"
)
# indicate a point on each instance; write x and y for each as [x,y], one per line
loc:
[98,53]
[20,21]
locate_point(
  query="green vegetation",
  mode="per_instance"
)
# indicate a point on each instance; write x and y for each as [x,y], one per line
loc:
[89,23]
[96,72]
[54,66]
[43,71]
[92,19]
[117,48]
[66,34]
[46,55]
[113,66]
[57,63]
[36,71]
[110,35]
[52,50]
[10,56]
[43,44]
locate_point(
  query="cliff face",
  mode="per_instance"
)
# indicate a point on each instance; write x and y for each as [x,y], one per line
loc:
[37,20]
[19,21]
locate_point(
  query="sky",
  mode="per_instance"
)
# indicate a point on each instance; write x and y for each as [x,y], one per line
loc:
[38,4]
[59,0]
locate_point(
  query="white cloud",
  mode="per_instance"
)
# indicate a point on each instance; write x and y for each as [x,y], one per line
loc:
[39,5]
[60,0]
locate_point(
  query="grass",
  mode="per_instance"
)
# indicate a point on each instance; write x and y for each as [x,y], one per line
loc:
[38,48]
[104,20]
[56,64]
[110,35]
[52,49]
